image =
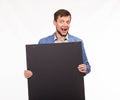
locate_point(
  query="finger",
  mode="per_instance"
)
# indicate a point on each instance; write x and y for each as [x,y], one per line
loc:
[27,74]
[82,69]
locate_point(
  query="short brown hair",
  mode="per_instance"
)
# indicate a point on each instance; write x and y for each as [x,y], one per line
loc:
[61,13]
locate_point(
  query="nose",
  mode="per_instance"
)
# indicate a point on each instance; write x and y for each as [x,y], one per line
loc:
[65,24]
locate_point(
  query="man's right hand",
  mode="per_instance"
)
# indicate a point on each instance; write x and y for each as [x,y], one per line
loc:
[28,73]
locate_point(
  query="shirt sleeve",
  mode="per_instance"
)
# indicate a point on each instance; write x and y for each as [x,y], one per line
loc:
[85,60]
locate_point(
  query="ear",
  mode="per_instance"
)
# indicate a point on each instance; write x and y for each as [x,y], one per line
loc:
[54,22]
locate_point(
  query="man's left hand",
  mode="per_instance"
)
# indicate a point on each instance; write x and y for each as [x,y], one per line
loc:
[82,68]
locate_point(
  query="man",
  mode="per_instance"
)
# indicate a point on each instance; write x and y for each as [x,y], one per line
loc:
[62,19]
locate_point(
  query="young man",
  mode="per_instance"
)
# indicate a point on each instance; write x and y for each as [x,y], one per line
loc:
[62,19]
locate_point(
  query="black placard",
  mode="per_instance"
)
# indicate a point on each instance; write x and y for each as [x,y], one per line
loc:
[55,73]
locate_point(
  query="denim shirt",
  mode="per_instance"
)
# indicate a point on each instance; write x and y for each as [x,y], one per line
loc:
[50,39]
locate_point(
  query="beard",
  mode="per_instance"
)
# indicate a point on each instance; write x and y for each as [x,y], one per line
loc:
[61,33]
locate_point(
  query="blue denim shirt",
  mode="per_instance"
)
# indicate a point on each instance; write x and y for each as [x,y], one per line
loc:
[50,39]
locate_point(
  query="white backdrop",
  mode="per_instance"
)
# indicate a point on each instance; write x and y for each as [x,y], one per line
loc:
[97,22]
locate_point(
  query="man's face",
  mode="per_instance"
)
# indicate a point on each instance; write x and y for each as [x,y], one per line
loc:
[62,25]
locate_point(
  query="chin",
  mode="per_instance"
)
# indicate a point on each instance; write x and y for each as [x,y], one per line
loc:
[65,33]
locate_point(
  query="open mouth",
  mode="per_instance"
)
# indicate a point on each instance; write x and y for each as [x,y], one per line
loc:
[64,29]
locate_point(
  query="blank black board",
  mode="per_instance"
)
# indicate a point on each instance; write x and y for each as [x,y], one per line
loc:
[55,73]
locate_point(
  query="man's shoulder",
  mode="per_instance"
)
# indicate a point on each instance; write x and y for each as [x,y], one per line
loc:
[48,39]
[73,38]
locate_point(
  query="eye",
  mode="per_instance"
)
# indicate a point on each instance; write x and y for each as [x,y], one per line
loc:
[68,22]
[61,21]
